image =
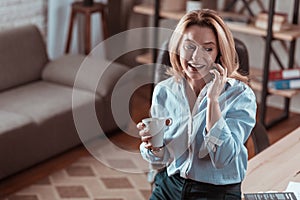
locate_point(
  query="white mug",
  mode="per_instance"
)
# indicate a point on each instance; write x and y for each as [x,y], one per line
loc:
[156,128]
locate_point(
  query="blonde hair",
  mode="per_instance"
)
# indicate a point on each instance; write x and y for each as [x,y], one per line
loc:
[210,19]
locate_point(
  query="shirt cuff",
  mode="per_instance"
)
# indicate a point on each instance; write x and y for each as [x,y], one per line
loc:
[212,138]
[150,156]
[159,152]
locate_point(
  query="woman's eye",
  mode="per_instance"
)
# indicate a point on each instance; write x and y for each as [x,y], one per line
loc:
[208,49]
[189,47]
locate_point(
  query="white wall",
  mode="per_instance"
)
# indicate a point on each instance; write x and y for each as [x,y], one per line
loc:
[58,12]
[14,13]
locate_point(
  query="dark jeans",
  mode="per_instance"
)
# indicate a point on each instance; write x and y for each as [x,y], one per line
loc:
[178,188]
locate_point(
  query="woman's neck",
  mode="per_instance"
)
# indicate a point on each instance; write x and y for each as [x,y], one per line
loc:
[196,85]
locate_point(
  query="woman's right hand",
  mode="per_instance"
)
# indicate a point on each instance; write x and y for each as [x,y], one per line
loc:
[145,135]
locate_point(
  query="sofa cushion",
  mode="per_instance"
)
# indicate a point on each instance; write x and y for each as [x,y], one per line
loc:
[22,56]
[40,123]
[41,100]
[64,71]
[15,131]
[10,121]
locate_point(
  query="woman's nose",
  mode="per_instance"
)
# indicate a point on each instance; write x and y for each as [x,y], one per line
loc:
[199,55]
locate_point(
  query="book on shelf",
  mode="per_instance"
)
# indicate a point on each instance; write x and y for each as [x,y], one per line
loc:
[279,21]
[271,196]
[278,17]
[284,74]
[262,24]
[284,84]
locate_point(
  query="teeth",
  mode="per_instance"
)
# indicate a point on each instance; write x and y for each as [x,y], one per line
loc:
[196,66]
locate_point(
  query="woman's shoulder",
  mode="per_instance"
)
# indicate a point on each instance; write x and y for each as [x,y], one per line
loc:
[170,82]
[169,85]
[238,85]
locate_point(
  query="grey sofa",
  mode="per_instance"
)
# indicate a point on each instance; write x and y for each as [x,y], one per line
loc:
[36,119]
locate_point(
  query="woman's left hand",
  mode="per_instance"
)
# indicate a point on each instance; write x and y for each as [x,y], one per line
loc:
[218,82]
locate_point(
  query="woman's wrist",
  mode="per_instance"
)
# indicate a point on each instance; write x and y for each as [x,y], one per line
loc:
[157,151]
[212,100]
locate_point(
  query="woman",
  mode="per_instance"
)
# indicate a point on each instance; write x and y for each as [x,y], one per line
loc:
[212,109]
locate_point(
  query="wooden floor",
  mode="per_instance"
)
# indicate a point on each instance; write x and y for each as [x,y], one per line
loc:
[140,105]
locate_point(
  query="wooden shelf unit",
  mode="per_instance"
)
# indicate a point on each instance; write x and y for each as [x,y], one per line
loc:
[255,77]
[148,9]
[289,35]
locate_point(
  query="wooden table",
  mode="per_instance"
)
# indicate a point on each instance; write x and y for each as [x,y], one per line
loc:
[275,167]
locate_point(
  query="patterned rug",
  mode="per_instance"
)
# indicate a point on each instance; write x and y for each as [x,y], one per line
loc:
[90,179]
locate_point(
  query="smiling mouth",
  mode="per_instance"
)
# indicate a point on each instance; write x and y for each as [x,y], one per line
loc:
[195,67]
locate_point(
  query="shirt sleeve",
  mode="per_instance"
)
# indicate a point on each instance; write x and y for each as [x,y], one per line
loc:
[157,110]
[225,139]
[210,142]
[155,158]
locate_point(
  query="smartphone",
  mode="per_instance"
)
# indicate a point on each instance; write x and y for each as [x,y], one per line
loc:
[214,67]
[212,75]
[218,60]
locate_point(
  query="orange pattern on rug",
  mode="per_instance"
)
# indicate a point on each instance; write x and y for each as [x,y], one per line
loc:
[88,179]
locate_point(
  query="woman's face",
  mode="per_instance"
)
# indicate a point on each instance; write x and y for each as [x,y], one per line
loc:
[198,51]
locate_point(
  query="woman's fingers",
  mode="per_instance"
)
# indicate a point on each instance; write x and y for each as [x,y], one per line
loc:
[144,132]
[148,145]
[218,69]
[219,73]
[146,138]
[140,125]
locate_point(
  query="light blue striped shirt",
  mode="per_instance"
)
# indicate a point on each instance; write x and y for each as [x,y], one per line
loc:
[219,156]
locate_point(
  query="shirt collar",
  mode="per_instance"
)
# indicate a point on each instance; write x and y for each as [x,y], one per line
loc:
[229,83]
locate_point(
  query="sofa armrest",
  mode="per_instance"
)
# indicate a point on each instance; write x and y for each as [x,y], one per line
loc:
[65,70]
